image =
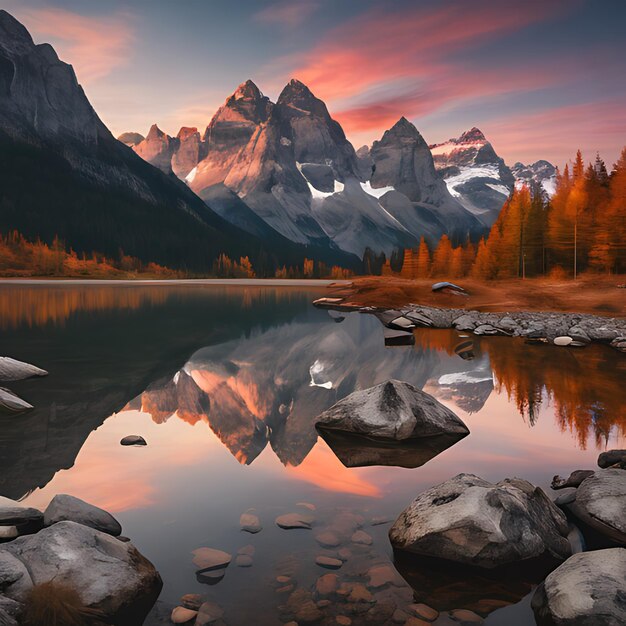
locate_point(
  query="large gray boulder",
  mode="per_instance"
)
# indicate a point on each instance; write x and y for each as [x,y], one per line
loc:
[586,590]
[472,521]
[108,574]
[393,410]
[600,504]
[63,508]
[13,513]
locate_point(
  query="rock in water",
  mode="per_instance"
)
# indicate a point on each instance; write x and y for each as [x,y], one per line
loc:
[562,341]
[11,369]
[210,558]
[600,504]
[295,520]
[12,403]
[472,521]
[68,508]
[133,440]
[586,590]
[393,410]
[109,575]
[250,522]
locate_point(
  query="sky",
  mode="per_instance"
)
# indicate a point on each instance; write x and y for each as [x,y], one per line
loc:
[541,78]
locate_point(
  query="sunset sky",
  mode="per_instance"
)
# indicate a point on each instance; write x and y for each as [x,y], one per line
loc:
[541,78]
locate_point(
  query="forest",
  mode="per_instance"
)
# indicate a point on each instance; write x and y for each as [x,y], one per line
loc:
[580,229]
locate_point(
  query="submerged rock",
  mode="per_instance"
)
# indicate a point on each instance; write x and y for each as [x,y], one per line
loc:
[600,504]
[133,440]
[295,520]
[183,615]
[250,522]
[64,507]
[393,410]
[586,590]
[472,521]
[109,575]
[12,369]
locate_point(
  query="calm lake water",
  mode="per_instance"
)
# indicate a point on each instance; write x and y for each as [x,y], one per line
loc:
[224,383]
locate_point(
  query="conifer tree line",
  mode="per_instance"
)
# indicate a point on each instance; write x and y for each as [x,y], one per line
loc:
[581,229]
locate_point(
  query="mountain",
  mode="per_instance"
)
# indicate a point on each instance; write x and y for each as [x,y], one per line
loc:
[474,174]
[541,172]
[290,164]
[63,173]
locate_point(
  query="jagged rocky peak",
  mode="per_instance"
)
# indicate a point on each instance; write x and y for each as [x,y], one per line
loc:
[406,130]
[474,135]
[158,148]
[541,172]
[186,132]
[316,137]
[131,138]
[190,151]
[246,104]
[14,34]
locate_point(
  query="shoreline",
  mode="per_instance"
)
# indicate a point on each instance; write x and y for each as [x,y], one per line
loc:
[236,282]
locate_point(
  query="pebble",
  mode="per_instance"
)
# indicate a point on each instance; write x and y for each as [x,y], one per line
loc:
[463,615]
[562,341]
[361,537]
[329,562]
[381,575]
[282,579]
[243,560]
[192,601]
[250,523]
[210,558]
[328,539]
[181,615]
[295,520]
[424,611]
[327,584]
[360,593]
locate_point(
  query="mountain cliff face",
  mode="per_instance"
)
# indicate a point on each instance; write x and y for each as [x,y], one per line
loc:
[541,172]
[93,191]
[290,164]
[474,174]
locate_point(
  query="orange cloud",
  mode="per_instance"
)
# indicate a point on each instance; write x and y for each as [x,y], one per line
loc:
[288,14]
[93,45]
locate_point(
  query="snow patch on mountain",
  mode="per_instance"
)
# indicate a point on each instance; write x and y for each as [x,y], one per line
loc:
[377,193]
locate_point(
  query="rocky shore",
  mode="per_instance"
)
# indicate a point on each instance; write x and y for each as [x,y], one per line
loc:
[573,330]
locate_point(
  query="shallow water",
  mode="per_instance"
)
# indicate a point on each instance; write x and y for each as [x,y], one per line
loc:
[264,363]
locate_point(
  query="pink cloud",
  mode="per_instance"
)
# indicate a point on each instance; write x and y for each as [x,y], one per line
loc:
[93,45]
[595,126]
[289,13]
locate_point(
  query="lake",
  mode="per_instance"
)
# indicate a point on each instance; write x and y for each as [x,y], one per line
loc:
[225,381]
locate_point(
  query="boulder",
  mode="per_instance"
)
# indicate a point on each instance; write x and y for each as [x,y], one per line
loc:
[210,559]
[64,507]
[573,480]
[9,611]
[109,575]
[600,505]
[133,440]
[586,590]
[448,287]
[13,513]
[15,581]
[611,457]
[394,411]
[469,520]
[11,369]
[295,520]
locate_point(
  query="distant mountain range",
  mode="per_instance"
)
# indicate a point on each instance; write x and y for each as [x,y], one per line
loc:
[277,182]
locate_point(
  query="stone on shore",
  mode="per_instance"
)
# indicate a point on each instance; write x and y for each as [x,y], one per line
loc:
[600,504]
[586,590]
[133,440]
[64,507]
[612,457]
[469,520]
[12,403]
[573,480]
[393,410]
[109,575]
[12,369]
